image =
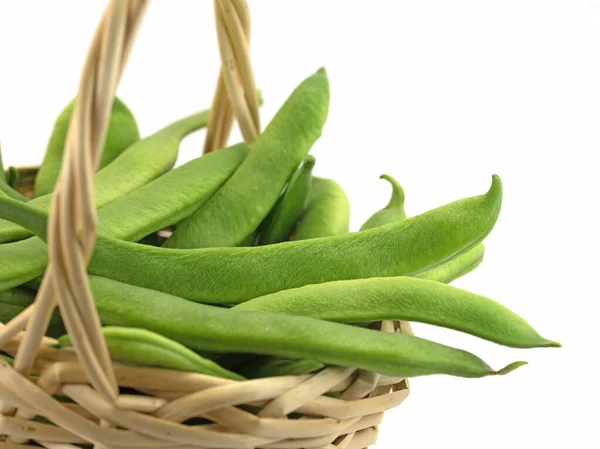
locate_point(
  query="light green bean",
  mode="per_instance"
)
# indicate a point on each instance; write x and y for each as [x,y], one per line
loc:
[407,299]
[121,133]
[208,328]
[145,160]
[156,205]
[327,212]
[455,267]
[393,211]
[234,275]
[145,348]
[280,222]
[240,206]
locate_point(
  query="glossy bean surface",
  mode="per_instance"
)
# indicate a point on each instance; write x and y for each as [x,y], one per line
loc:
[282,219]
[392,212]
[145,160]
[207,328]
[121,133]
[240,206]
[407,299]
[145,348]
[327,212]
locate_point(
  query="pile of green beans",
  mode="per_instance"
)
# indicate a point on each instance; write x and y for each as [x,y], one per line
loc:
[260,274]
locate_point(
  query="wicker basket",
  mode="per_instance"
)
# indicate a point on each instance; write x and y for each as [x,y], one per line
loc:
[118,406]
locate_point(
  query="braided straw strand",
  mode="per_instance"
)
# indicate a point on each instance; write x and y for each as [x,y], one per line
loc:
[236,92]
[72,218]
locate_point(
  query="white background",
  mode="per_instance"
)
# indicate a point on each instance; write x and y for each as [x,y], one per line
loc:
[440,94]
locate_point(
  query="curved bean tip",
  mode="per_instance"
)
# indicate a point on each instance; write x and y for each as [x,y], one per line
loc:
[509,368]
[551,344]
[309,161]
[496,187]
[398,196]
[322,71]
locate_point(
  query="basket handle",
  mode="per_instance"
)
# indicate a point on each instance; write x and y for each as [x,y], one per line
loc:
[236,92]
[72,220]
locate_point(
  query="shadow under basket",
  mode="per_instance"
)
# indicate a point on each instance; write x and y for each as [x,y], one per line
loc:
[335,408]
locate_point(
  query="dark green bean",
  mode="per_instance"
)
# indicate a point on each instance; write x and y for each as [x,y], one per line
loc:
[240,206]
[280,222]
[234,275]
[407,299]
[327,212]
[122,132]
[207,328]
[145,160]
[145,348]
[273,367]
[13,302]
[5,188]
[393,211]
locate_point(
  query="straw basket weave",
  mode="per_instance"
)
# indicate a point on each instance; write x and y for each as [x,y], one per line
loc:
[117,406]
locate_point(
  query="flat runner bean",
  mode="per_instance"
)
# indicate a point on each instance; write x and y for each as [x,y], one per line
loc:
[235,275]
[407,299]
[145,160]
[240,206]
[280,222]
[455,267]
[146,348]
[156,205]
[208,328]
[327,212]
[121,133]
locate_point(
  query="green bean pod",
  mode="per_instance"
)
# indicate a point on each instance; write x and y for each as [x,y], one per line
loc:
[235,275]
[154,206]
[208,328]
[145,348]
[8,191]
[122,132]
[3,177]
[392,212]
[172,197]
[240,206]
[12,177]
[13,302]
[280,222]
[5,188]
[455,267]
[145,160]
[273,367]
[407,299]
[327,212]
